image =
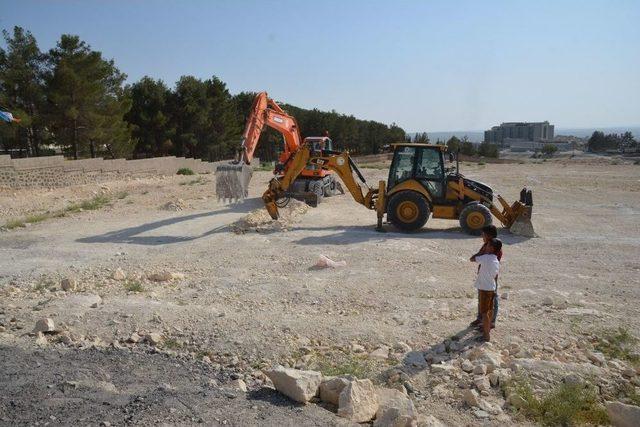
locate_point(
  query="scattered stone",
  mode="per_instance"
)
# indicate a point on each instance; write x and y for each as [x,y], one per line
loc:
[466,365]
[482,383]
[358,401]
[471,398]
[480,369]
[239,384]
[415,359]
[494,379]
[395,409]
[402,347]
[134,338]
[118,274]
[480,414]
[298,385]
[153,338]
[68,284]
[547,301]
[381,352]
[45,325]
[41,340]
[573,380]
[440,368]
[331,388]
[94,305]
[622,415]
[357,348]
[429,421]
[596,358]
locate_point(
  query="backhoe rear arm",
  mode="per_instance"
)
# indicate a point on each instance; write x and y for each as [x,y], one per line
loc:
[341,163]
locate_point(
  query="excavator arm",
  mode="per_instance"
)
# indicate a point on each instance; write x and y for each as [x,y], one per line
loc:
[232,179]
[339,162]
[265,111]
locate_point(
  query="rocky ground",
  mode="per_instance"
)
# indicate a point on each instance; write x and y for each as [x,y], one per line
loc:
[162,305]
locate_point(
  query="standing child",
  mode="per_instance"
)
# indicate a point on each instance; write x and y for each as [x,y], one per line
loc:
[489,232]
[486,283]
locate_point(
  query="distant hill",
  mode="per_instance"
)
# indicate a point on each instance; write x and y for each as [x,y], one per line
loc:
[478,135]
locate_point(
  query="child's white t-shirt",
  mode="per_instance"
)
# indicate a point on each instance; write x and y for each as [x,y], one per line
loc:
[489,268]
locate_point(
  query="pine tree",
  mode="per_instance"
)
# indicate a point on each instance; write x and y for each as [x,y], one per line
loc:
[86,101]
[22,68]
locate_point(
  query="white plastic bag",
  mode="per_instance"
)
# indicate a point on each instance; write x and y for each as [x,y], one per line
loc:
[324,262]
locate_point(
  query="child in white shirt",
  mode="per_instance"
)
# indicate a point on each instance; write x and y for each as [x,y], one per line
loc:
[486,283]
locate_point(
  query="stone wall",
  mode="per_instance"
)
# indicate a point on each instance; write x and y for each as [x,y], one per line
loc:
[55,171]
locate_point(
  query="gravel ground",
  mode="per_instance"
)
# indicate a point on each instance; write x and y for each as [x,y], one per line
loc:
[238,302]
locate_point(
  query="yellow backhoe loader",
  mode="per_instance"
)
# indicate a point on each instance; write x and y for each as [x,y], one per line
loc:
[419,185]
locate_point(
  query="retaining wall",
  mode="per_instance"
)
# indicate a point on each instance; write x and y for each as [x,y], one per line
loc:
[55,171]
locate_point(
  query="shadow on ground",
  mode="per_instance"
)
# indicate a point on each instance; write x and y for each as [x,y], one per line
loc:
[132,235]
[360,233]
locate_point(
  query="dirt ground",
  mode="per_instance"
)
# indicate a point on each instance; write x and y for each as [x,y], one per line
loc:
[239,302]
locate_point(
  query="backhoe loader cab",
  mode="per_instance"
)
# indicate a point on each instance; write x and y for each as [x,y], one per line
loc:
[420,185]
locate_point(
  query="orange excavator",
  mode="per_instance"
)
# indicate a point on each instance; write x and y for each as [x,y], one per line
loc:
[314,181]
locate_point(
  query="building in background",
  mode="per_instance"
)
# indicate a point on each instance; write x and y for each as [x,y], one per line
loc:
[508,133]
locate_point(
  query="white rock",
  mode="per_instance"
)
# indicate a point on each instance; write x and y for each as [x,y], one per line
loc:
[429,421]
[331,388]
[357,348]
[153,338]
[622,415]
[44,325]
[547,301]
[41,340]
[596,357]
[134,338]
[298,385]
[68,284]
[358,401]
[381,352]
[239,384]
[482,383]
[395,409]
[440,368]
[118,274]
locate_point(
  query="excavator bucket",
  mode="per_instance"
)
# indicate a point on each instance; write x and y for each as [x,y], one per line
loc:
[522,225]
[232,181]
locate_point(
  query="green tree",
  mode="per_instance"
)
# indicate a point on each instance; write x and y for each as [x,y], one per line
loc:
[149,117]
[421,138]
[86,101]
[549,149]
[487,149]
[467,148]
[22,68]
[453,144]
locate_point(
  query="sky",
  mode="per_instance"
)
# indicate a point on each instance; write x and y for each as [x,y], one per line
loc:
[425,65]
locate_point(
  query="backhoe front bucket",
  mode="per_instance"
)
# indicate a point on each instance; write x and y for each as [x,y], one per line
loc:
[232,181]
[522,225]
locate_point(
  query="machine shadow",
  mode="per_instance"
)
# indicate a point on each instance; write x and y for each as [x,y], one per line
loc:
[131,235]
[364,233]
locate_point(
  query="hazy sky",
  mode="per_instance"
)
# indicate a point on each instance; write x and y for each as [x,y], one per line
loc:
[426,65]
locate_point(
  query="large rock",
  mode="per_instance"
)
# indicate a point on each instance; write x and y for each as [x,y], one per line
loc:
[358,401]
[622,415]
[331,388]
[44,325]
[118,274]
[415,359]
[298,385]
[395,409]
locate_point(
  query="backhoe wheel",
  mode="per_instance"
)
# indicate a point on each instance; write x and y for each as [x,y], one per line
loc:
[475,216]
[408,210]
[318,188]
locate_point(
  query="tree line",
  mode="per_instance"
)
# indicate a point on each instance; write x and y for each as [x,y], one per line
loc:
[599,142]
[74,99]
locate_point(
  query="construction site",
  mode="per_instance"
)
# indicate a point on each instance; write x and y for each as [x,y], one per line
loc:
[280,213]
[178,299]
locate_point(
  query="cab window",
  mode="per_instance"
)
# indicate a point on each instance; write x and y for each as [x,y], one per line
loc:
[429,165]
[402,167]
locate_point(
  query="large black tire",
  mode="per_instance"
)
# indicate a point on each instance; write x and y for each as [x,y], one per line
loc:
[473,217]
[408,210]
[318,188]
